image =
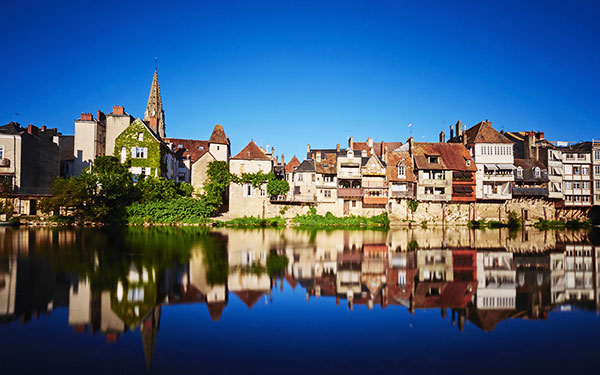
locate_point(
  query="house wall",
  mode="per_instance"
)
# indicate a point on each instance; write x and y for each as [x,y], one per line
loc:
[40,164]
[596,172]
[200,172]
[481,155]
[445,184]
[89,142]
[219,151]
[12,151]
[577,197]
[115,125]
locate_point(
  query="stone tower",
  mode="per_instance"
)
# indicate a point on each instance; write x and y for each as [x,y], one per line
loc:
[154,114]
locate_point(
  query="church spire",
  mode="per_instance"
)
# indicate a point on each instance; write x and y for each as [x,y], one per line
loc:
[154,109]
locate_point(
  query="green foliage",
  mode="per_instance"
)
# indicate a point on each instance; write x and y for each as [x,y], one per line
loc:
[412,245]
[99,196]
[156,151]
[256,222]
[175,210]
[216,184]
[312,219]
[412,205]
[277,187]
[424,224]
[578,224]
[156,188]
[276,264]
[514,220]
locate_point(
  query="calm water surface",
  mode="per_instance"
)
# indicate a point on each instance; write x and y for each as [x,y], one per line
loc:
[193,300]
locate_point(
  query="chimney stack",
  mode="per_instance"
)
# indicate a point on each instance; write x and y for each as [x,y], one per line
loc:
[318,158]
[370,142]
[118,110]
[442,137]
[100,116]
[308,150]
[351,143]
[32,129]
[282,160]
[43,128]
[459,129]
[337,148]
[86,117]
[451,131]
[385,154]
[153,124]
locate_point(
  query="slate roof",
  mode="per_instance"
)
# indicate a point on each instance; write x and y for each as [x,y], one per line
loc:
[378,147]
[453,156]
[12,128]
[528,166]
[578,147]
[307,165]
[218,136]
[391,169]
[251,152]
[193,148]
[483,132]
[292,164]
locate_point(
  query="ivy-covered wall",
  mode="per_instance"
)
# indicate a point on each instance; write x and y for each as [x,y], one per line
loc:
[156,150]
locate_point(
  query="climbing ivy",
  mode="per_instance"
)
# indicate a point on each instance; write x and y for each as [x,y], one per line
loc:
[156,150]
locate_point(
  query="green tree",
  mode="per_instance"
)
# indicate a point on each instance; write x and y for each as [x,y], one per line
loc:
[277,187]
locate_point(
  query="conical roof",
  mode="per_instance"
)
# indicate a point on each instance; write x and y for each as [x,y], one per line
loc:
[218,136]
[154,107]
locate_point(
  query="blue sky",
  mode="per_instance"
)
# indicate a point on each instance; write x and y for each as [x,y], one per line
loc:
[290,73]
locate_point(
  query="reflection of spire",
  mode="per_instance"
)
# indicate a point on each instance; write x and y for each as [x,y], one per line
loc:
[215,310]
[149,331]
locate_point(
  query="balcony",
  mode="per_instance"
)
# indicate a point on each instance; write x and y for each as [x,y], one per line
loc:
[497,196]
[5,162]
[375,200]
[350,192]
[348,174]
[434,197]
[436,182]
[403,194]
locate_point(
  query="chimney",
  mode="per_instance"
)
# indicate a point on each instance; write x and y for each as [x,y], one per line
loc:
[100,116]
[32,129]
[308,149]
[411,144]
[451,131]
[153,124]
[272,150]
[43,128]
[459,129]
[318,158]
[540,136]
[351,143]
[370,142]
[118,110]
[442,137]
[276,160]
[385,154]
[337,148]
[86,117]
[282,160]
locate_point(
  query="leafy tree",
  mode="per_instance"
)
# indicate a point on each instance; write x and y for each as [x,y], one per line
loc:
[278,187]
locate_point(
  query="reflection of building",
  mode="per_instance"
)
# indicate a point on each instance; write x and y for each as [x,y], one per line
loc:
[496,281]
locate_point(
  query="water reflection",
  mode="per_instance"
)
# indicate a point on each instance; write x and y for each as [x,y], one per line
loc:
[112,282]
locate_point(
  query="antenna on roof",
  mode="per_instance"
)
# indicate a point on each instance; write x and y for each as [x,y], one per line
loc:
[16,114]
[410,130]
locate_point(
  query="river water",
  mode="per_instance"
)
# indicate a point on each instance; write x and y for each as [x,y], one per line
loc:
[196,300]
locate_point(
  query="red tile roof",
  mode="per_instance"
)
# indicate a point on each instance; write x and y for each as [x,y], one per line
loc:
[251,152]
[249,297]
[453,156]
[218,136]
[292,164]
[327,165]
[195,149]
[394,158]
[484,133]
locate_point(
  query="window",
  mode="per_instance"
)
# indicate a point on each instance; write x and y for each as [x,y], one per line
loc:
[139,152]
[598,185]
[328,178]
[263,192]
[353,203]
[585,171]
[428,190]
[181,177]
[248,190]
[537,172]
[581,156]
[576,170]
[434,159]
[401,171]
[520,172]
[313,177]
[327,194]
[300,177]
[585,185]
[179,146]
[576,185]
[140,136]
[568,185]
[570,156]
[586,198]
[1,151]
[569,198]
[597,170]
[597,155]
[578,198]
[181,163]
[468,162]
[218,148]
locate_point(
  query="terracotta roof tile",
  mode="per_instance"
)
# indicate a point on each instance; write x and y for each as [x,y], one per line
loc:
[218,136]
[292,164]
[394,158]
[327,165]
[484,133]
[193,148]
[251,152]
[378,147]
[453,156]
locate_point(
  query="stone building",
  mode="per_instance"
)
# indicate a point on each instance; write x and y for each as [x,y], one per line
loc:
[116,122]
[531,179]
[154,109]
[596,172]
[29,161]
[492,152]
[89,142]
[400,176]
[245,199]
[146,153]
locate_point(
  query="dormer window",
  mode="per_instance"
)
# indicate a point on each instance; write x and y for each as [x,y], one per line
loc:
[537,172]
[179,146]
[350,154]
[433,159]
[468,162]
[364,153]
[520,172]
[401,171]
[200,147]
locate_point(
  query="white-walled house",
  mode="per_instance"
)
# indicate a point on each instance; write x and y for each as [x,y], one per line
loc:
[492,152]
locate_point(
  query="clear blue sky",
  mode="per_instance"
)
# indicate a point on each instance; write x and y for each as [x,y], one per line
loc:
[290,73]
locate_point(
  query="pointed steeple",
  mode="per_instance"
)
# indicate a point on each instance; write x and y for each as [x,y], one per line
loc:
[154,109]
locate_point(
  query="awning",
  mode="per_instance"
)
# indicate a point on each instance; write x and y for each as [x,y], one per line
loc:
[505,166]
[491,167]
